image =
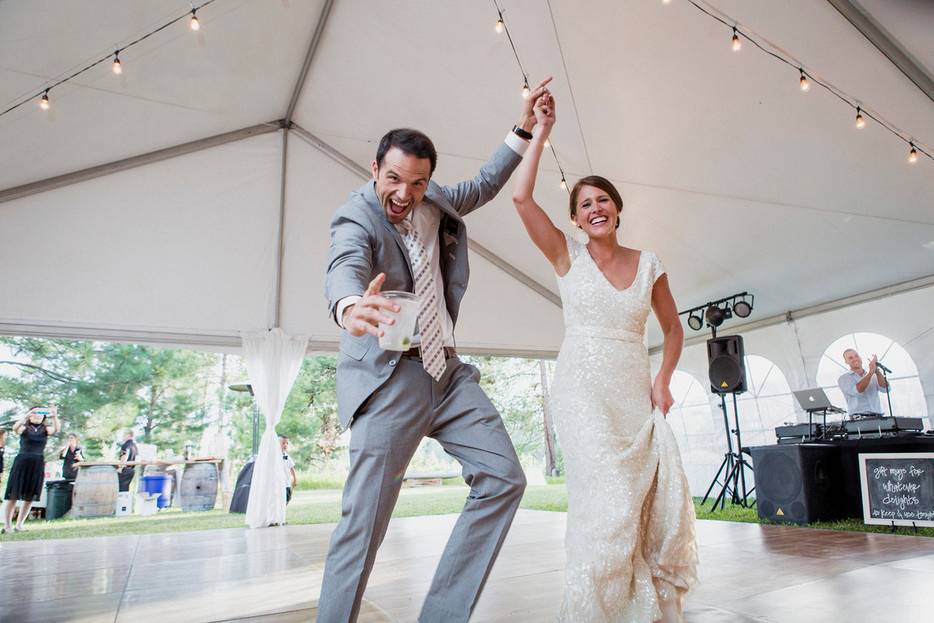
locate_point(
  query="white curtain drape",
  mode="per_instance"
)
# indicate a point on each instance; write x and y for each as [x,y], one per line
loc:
[273,360]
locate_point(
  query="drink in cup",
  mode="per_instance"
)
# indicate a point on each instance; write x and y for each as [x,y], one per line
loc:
[398,336]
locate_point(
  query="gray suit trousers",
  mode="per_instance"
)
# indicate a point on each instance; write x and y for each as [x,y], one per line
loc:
[384,436]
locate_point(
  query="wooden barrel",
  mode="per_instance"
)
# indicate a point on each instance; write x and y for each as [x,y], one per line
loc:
[198,490]
[95,492]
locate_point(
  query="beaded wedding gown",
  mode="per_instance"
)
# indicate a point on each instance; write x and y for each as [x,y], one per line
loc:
[631,552]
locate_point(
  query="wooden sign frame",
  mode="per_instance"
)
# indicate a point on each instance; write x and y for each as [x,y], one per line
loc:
[864,487]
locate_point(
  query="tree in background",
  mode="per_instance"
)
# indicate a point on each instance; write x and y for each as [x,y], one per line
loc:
[171,395]
[101,387]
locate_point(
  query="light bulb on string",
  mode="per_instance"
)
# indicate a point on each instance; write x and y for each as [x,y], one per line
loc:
[117,65]
[194,23]
[526,91]
[737,44]
[547,143]
[564,183]
[44,102]
[500,26]
[860,122]
[913,154]
[666,1]
[805,85]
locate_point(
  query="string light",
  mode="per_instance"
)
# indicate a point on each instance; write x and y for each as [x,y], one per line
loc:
[500,26]
[526,90]
[116,66]
[805,79]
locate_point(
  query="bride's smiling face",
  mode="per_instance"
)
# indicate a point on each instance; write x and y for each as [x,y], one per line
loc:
[596,212]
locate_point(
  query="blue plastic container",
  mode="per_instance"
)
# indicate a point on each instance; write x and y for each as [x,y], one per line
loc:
[161,484]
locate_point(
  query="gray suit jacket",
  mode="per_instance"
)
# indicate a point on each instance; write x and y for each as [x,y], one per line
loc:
[364,243]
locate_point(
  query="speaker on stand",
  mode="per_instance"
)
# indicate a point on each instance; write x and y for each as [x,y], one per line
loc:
[727,372]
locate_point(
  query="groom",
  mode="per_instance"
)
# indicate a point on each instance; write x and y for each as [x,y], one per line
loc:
[402,231]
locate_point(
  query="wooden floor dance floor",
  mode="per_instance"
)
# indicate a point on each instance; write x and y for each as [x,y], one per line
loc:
[748,573]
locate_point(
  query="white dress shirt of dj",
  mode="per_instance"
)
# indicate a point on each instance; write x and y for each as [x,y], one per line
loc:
[861,387]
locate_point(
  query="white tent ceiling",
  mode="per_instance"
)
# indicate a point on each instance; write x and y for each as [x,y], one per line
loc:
[733,176]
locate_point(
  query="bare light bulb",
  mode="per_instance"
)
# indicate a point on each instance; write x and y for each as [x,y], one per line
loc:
[500,26]
[547,143]
[564,184]
[117,66]
[194,23]
[805,85]
[860,122]
[526,91]
[44,102]
[913,154]
[737,44]
[666,1]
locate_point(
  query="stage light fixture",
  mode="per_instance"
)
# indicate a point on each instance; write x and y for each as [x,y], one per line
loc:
[715,316]
[695,322]
[742,308]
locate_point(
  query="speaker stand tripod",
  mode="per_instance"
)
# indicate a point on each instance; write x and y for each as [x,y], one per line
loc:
[733,465]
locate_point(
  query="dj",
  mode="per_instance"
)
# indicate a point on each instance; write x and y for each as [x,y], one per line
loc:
[861,387]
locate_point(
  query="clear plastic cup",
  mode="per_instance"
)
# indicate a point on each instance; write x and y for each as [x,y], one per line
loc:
[398,336]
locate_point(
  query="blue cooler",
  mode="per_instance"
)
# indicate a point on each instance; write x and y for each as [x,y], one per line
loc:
[160,484]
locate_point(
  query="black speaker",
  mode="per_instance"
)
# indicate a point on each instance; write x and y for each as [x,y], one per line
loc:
[798,483]
[727,364]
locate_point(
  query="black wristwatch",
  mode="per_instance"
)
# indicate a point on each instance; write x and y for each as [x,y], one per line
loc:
[521,133]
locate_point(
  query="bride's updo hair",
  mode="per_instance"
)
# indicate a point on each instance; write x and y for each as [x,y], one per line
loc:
[597,182]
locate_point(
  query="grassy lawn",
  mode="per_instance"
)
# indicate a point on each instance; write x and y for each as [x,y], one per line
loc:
[323,506]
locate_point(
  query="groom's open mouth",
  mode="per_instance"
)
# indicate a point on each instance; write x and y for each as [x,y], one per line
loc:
[398,208]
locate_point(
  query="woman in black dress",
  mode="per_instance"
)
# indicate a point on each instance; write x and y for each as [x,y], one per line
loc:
[28,470]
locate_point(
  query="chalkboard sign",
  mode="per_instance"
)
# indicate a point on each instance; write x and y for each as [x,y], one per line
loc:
[898,489]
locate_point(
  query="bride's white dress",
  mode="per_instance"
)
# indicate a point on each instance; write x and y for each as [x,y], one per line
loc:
[631,551]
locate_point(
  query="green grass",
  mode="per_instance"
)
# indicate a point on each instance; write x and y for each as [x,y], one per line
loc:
[323,506]
[749,515]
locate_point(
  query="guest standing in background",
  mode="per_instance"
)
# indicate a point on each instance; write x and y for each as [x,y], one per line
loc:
[291,480]
[2,449]
[128,454]
[28,470]
[70,455]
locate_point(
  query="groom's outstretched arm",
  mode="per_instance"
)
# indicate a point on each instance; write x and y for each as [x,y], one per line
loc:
[470,194]
[350,259]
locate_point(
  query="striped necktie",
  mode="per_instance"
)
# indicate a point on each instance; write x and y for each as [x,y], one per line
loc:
[429,323]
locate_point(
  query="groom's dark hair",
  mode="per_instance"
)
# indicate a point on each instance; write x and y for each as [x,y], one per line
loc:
[411,142]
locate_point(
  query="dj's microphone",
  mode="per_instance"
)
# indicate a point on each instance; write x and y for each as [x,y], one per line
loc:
[883,368]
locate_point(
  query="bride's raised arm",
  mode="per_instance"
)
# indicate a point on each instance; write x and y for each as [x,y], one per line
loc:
[542,231]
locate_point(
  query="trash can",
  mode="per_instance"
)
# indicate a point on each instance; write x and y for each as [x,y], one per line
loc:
[58,498]
[159,484]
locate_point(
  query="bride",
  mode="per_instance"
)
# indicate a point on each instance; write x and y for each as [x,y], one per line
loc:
[631,552]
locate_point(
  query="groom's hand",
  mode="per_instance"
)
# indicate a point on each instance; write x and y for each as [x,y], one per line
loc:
[527,116]
[365,315]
